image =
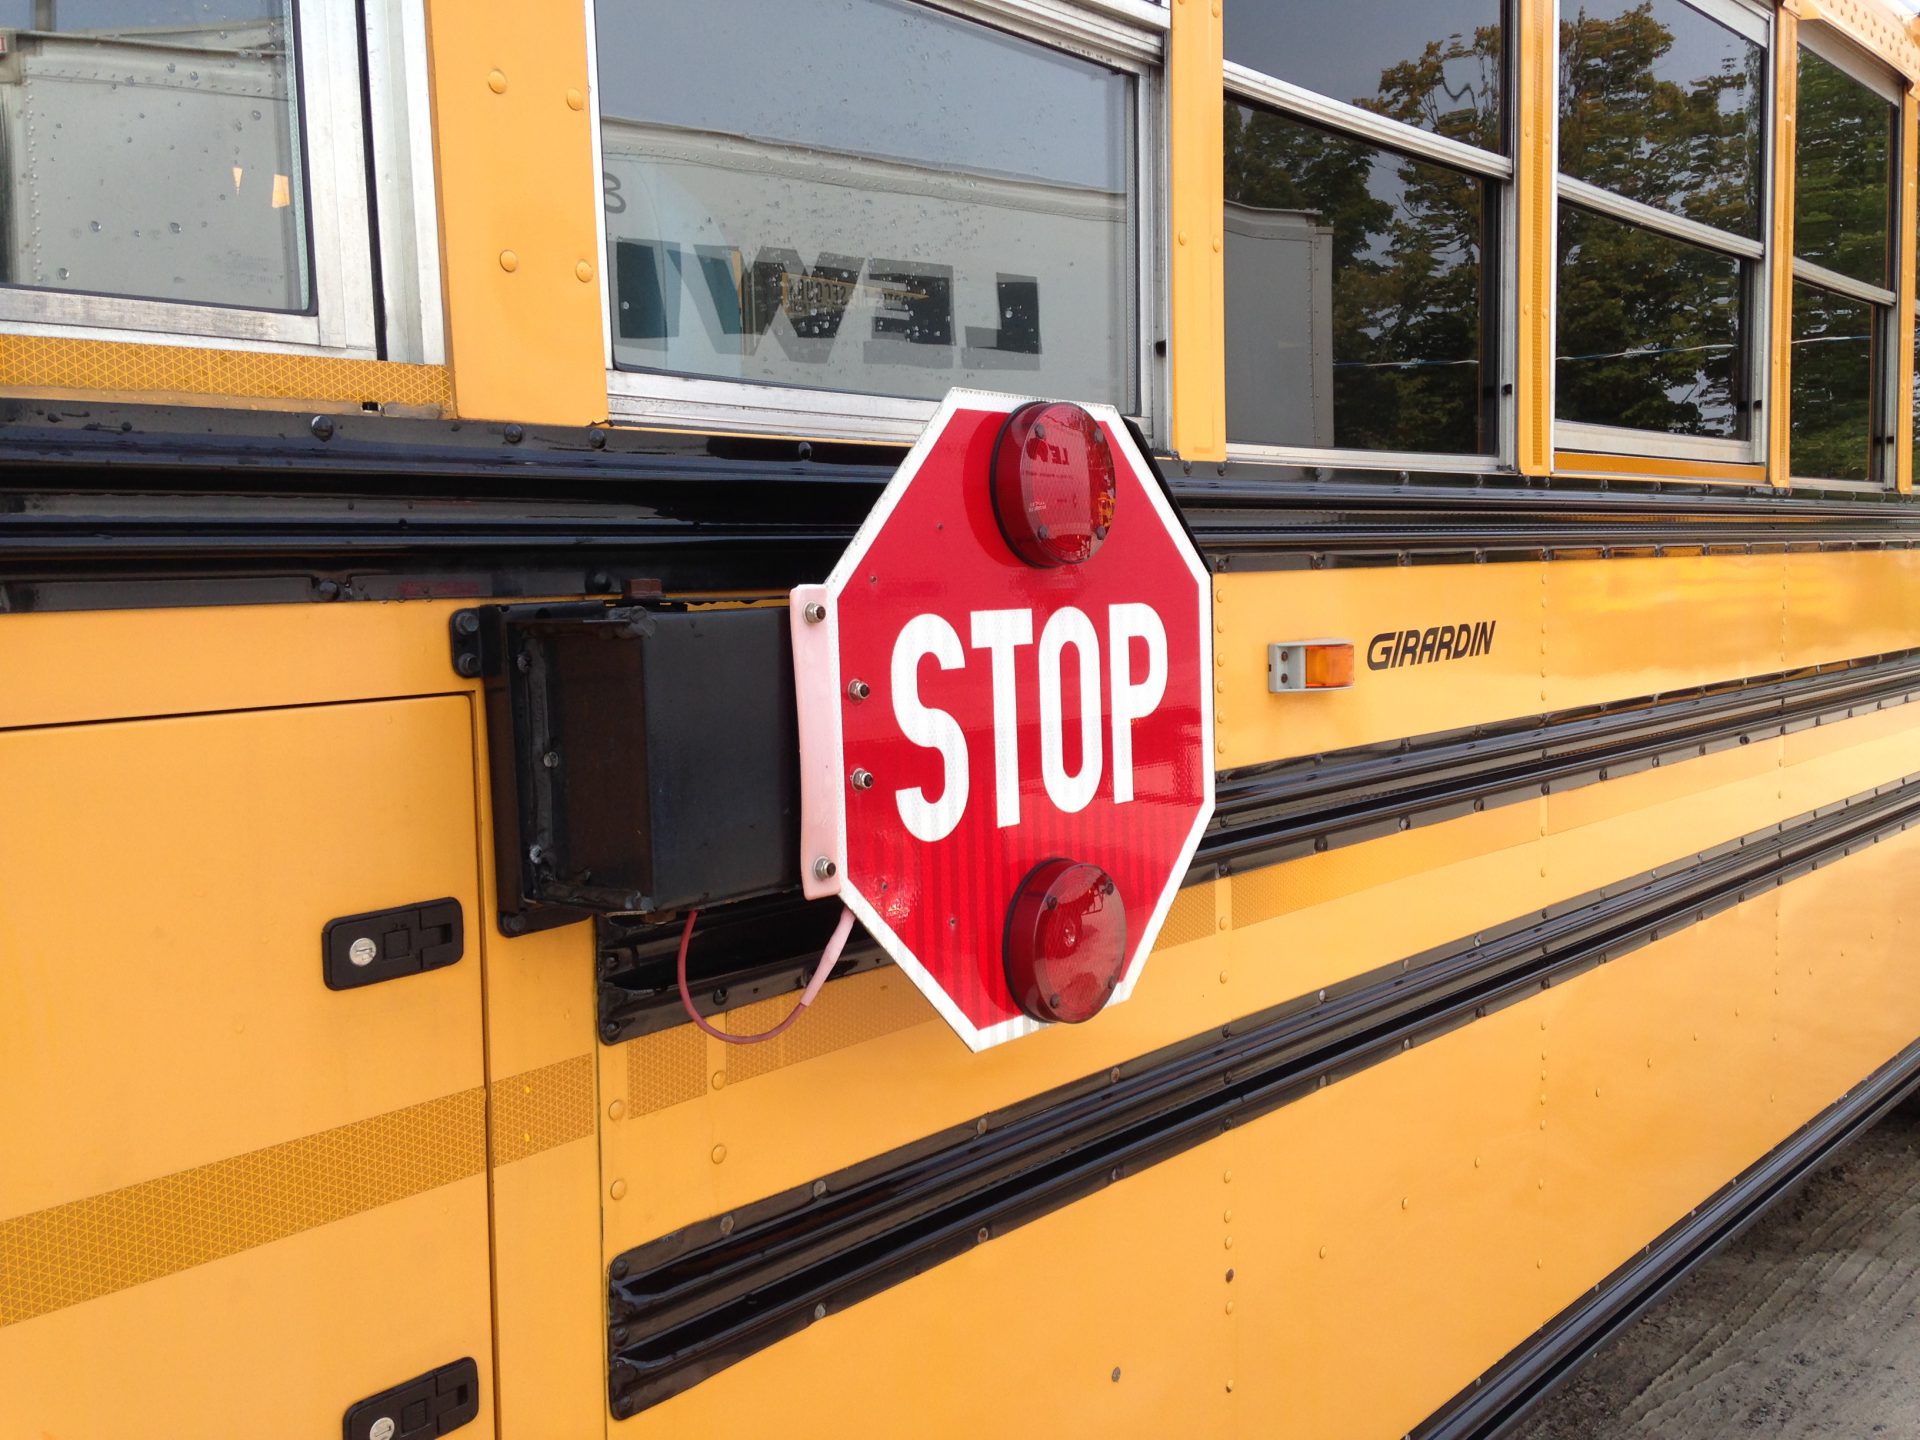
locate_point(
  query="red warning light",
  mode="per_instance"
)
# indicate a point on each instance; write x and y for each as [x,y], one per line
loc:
[1053,484]
[1066,941]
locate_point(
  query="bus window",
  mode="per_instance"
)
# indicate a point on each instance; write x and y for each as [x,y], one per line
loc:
[1364,170]
[110,86]
[1437,64]
[1355,317]
[883,201]
[162,163]
[1663,114]
[1843,274]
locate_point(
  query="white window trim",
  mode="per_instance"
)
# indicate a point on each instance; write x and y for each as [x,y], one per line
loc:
[1243,83]
[333,157]
[1575,435]
[760,408]
[1364,124]
[1748,19]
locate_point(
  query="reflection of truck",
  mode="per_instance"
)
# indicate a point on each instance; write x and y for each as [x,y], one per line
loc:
[84,206]
[753,259]
[1279,270]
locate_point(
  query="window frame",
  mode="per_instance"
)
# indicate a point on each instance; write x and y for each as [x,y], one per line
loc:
[1877,76]
[1127,36]
[1242,84]
[1585,439]
[345,315]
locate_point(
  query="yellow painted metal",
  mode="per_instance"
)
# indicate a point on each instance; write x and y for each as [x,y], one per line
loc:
[1538,57]
[1876,26]
[517,198]
[1786,102]
[68,667]
[65,367]
[1390,1235]
[548,1295]
[1640,467]
[1568,633]
[208,1148]
[1196,210]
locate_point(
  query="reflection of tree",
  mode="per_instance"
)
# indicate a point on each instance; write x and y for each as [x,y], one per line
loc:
[1842,172]
[1832,413]
[1692,147]
[1648,326]
[1407,238]
[1648,329]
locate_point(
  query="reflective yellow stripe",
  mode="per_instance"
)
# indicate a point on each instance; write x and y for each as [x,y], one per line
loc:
[65,1254]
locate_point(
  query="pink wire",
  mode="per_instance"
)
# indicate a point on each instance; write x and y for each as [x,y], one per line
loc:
[827,958]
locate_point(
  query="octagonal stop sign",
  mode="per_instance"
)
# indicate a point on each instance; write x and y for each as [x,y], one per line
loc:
[1006,721]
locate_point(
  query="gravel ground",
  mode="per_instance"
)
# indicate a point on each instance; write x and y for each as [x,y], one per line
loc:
[1805,1325]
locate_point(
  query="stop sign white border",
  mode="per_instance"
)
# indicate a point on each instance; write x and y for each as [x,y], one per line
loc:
[823,762]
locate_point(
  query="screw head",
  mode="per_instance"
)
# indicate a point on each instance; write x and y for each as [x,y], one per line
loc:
[551,759]
[363,952]
[322,427]
[858,690]
[467,665]
[513,434]
[381,1429]
[815,612]
[863,779]
[824,869]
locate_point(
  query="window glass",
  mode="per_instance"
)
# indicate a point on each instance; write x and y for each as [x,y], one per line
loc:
[881,198]
[1662,105]
[1436,64]
[1648,330]
[1833,385]
[1355,312]
[1843,168]
[152,149]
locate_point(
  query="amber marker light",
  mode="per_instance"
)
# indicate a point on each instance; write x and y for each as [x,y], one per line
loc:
[1066,942]
[1309,665]
[1053,484]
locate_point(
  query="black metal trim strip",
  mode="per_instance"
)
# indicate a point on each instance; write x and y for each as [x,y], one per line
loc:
[691,1303]
[1499,1400]
[1270,813]
[114,506]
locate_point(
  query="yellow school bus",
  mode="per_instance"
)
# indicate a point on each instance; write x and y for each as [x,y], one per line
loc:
[359,359]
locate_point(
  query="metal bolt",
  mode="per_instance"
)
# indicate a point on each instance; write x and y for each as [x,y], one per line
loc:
[523,662]
[619,1269]
[819,1188]
[819,1312]
[536,853]
[862,779]
[815,612]
[467,664]
[322,427]
[726,1224]
[824,869]
[983,1234]
[550,759]
[327,590]
[858,690]
[363,952]
[381,1429]
[513,434]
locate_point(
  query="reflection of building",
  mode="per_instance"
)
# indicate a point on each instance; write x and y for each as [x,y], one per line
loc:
[1279,271]
[761,260]
[152,162]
